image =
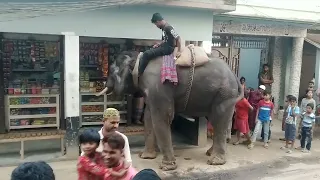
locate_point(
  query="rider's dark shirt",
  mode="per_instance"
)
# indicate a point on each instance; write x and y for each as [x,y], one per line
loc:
[169,35]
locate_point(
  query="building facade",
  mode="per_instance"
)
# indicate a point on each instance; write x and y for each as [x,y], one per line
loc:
[74,31]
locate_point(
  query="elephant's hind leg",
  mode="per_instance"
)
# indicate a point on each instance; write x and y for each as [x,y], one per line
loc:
[149,151]
[222,114]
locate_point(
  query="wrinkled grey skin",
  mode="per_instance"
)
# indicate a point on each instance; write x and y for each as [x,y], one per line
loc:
[214,93]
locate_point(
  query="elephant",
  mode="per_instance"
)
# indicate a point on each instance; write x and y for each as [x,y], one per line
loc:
[214,93]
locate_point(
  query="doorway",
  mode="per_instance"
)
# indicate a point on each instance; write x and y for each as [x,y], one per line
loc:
[249,66]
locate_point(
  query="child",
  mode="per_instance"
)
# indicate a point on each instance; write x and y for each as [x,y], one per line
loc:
[241,121]
[290,127]
[264,113]
[285,115]
[308,99]
[307,126]
[90,164]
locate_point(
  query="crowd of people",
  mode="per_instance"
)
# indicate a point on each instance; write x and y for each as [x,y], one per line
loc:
[254,114]
[105,156]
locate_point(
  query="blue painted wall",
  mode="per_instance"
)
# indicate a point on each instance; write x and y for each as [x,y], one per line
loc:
[249,66]
[125,22]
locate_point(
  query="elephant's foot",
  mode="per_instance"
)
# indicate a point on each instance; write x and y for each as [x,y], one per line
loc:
[217,160]
[209,151]
[148,155]
[168,165]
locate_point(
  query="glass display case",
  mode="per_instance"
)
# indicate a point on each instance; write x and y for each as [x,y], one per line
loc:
[92,108]
[32,111]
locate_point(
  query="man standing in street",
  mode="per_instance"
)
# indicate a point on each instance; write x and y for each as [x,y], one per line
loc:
[265,77]
[170,40]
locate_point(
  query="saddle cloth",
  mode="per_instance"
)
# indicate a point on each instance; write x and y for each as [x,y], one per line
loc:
[168,69]
[200,54]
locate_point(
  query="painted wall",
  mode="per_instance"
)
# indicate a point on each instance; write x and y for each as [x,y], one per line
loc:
[127,22]
[249,66]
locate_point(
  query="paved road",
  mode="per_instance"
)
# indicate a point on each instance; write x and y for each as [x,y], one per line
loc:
[286,168]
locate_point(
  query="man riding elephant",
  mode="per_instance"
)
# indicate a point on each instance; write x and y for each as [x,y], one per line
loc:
[170,40]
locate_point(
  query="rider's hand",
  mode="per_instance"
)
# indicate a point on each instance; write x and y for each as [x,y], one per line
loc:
[156,45]
[178,54]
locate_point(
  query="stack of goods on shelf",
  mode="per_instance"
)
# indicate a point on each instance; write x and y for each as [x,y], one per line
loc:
[32,100]
[103,60]
[94,66]
[25,60]
[92,108]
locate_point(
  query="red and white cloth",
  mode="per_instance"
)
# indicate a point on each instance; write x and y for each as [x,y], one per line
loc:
[169,70]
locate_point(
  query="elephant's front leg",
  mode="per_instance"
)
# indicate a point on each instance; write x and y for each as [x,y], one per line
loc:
[222,115]
[149,151]
[162,119]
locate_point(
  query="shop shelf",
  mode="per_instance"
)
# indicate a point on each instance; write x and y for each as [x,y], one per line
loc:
[91,123]
[32,106]
[52,101]
[116,102]
[35,116]
[33,126]
[29,70]
[92,103]
[91,113]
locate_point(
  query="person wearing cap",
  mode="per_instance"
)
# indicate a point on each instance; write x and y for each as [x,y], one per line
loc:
[170,40]
[265,77]
[111,120]
[254,98]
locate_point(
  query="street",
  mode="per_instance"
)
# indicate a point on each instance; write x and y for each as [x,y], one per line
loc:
[256,164]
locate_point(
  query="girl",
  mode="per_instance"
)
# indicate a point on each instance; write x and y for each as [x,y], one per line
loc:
[241,121]
[90,164]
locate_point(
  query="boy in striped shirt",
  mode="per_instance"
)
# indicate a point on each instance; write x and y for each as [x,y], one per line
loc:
[307,125]
[290,128]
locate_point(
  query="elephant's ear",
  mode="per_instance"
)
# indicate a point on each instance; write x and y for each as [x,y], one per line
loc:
[135,71]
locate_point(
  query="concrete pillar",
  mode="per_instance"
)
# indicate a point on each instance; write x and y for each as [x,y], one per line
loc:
[317,75]
[277,60]
[71,93]
[295,68]
[317,86]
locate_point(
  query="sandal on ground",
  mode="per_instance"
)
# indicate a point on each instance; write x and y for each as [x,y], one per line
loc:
[266,146]
[250,146]
[236,143]
[282,139]
[283,148]
[289,151]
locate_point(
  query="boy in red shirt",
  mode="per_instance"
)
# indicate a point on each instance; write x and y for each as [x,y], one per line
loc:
[90,164]
[241,120]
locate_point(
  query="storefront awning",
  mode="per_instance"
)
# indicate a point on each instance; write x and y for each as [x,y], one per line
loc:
[313,39]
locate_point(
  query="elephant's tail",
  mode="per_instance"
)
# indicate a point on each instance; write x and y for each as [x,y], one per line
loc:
[240,90]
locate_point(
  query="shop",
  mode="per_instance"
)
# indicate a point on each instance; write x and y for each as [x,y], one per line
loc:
[95,56]
[31,79]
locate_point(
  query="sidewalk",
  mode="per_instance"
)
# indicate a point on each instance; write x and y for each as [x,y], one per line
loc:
[194,160]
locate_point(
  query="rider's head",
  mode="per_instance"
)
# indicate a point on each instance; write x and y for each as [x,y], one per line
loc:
[158,20]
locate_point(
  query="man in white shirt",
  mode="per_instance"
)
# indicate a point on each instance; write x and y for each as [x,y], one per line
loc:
[111,120]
